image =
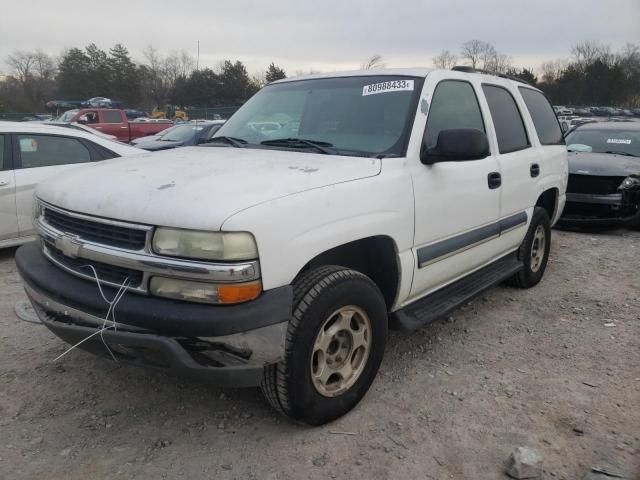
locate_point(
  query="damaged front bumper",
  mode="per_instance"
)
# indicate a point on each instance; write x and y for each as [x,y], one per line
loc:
[605,210]
[225,345]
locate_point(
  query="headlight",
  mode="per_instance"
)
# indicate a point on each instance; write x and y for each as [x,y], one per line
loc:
[224,246]
[630,182]
[222,293]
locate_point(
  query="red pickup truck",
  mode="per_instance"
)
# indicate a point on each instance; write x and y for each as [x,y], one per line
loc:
[114,122]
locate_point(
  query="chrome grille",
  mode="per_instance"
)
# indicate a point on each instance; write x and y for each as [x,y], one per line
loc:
[102,233]
[109,274]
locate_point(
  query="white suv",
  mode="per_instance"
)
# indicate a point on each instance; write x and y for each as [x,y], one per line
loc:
[280,257]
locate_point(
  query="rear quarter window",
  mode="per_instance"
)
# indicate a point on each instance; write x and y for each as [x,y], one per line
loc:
[544,119]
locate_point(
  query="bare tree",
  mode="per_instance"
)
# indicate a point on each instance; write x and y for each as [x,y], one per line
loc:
[473,51]
[552,70]
[374,62]
[177,65]
[588,52]
[22,65]
[446,60]
[497,62]
[44,65]
[488,57]
[629,59]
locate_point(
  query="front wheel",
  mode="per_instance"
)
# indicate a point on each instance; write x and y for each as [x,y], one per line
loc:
[335,343]
[534,251]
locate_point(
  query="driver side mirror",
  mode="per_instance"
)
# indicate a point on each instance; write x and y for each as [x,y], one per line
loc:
[457,145]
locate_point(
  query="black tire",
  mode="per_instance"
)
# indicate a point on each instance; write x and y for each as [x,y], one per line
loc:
[528,277]
[288,385]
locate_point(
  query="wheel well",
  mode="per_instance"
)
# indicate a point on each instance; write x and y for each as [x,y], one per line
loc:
[375,257]
[549,201]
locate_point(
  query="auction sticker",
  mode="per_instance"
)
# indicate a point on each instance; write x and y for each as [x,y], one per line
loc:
[619,140]
[390,86]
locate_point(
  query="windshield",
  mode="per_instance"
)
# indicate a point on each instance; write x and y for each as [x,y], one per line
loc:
[181,133]
[624,142]
[353,115]
[66,116]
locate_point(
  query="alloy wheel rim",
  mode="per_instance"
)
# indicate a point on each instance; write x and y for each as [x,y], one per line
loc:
[538,247]
[340,351]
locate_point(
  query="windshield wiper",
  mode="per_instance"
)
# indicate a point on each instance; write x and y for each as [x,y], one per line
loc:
[626,154]
[236,142]
[300,142]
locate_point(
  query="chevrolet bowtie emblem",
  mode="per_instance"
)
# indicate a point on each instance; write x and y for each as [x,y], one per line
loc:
[69,245]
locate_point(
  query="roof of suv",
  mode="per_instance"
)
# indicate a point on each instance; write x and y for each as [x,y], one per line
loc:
[409,72]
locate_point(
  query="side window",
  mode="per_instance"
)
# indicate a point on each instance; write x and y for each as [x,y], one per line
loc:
[91,117]
[47,150]
[544,119]
[111,116]
[454,105]
[2,166]
[507,120]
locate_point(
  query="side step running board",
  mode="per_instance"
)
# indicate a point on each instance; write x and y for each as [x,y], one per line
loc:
[439,303]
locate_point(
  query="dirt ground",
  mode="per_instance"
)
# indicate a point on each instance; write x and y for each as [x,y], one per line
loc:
[556,368]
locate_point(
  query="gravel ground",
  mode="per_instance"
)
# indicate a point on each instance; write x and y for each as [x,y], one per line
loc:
[556,368]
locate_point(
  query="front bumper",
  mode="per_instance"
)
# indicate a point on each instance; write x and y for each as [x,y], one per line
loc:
[599,210]
[226,345]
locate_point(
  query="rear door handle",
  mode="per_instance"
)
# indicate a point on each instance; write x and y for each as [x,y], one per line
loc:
[4,183]
[494,179]
[535,170]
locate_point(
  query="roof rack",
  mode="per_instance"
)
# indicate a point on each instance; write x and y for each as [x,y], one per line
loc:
[466,69]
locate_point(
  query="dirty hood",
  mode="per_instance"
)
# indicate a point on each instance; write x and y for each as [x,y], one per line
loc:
[197,187]
[603,164]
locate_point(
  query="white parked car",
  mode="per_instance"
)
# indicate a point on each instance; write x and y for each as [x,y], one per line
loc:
[31,152]
[84,128]
[280,257]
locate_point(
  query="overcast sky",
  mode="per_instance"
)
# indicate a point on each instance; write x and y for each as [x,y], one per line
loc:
[323,34]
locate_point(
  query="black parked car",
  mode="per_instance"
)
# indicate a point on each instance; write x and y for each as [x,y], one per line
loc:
[604,175]
[186,134]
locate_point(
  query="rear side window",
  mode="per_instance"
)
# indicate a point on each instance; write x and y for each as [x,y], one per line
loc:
[510,131]
[102,153]
[1,152]
[48,150]
[454,105]
[544,119]
[111,116]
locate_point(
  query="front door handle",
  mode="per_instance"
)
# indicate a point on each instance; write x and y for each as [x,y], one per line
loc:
[534,170]
[494,179]
[4,183]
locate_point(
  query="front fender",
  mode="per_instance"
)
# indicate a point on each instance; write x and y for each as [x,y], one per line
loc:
[294,229]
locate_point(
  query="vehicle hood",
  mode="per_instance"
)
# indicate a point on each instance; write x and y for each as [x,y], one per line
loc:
[197,187]
[603,164]
[155,145]
[148,138]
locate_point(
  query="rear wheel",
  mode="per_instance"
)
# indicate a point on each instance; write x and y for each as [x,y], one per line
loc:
[534,251]
[335,343]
